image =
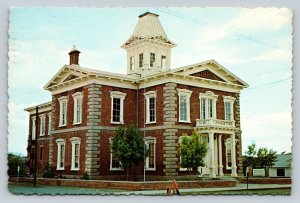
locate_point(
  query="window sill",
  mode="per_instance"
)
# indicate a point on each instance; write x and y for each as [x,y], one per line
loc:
[76,123]
[184,121]
[150,122]
[60,169]
[74,169]
[116,123]
[116,169]
[62,126]
[150,169]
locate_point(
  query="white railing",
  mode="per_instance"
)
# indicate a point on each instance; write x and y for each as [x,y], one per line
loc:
[210,122]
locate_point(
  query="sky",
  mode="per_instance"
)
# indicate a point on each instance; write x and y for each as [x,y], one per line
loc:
[254,44]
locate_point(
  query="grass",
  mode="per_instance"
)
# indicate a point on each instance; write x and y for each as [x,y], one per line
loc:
[285,191]
[28,189]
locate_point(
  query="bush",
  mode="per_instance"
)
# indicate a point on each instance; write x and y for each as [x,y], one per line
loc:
[49,172]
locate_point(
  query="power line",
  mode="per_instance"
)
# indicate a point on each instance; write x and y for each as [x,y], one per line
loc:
[268,84]
[236,34]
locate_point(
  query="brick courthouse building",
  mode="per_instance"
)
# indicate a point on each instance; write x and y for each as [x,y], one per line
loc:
[87,106]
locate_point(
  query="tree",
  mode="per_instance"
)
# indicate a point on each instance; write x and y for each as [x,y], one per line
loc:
[192,151]
[13,162]
[128,146]
[261,158]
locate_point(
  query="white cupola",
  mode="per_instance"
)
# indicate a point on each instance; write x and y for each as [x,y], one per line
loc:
[148,48]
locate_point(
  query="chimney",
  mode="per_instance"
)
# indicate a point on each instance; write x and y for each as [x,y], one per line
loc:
[74,56]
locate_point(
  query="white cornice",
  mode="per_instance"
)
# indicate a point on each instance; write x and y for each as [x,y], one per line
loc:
[42,108]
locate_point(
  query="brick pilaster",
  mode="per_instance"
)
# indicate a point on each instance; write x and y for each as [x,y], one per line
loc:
[239,158]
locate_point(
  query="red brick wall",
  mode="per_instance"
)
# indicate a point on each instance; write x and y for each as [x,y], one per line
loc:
[129,105]
[195,103]
[70,108]
[68,152]
[207,74]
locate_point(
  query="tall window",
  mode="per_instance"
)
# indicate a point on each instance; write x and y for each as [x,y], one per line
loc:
[117,107]
[150,160]
[141,60]
[75,153]
[152,59]
[150,106]
[33,126]
[184,105]
[43,124]
[77,97]
[228,146]
[208,102]
[228,107]
[63,111]
[61,145]
[49,123]
[115,163]
[163,62]
[132,64]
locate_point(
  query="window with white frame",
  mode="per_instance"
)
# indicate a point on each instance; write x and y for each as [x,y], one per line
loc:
[228,146]
[63,111]
[75,161]
[228,107]
[141,60]
[150,106]
[49,123]
[33,126]
[117,107]
[61,148]
[115,164]
[132,63]
[43,124]
[184,105]
[163,62]
[150,142]
[77,115]
[152,59]
[208,102]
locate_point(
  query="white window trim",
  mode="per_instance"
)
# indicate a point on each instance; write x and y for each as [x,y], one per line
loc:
[110,160]
[148,95]
[132,63]
[43,124]
[149,140]
[121,96]
[75,140]
[59,143]
[209,95]
[185,93]
[76,96]
[33,128]
[49,123]
[154,61]
[231,101]
[61,100]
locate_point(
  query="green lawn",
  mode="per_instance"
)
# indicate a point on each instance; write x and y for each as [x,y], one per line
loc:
[27,189]
[243,192]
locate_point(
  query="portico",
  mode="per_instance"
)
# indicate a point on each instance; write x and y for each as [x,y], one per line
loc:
[220,133]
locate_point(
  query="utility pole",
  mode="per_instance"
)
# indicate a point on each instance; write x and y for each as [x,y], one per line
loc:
[35,145]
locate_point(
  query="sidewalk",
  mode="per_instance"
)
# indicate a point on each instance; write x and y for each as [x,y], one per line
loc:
[240,186]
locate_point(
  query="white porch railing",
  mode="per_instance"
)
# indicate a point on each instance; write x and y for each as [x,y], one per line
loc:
[210,122]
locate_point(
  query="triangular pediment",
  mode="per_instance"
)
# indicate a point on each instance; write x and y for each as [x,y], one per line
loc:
[65,74]
[210,70]
[208,75]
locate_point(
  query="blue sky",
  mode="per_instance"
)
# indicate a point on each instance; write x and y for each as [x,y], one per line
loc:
[254,44]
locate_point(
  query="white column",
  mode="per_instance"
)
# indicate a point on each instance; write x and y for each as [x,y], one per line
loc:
[220,156]
[212,154]
[233,159]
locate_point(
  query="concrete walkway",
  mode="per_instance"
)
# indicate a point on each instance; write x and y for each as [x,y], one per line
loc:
[240,186]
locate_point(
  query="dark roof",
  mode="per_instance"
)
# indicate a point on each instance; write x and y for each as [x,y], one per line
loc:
[144,14]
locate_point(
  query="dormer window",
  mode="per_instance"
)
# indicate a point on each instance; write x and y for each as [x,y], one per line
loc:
[141,57]
[132,63]
[152,59]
